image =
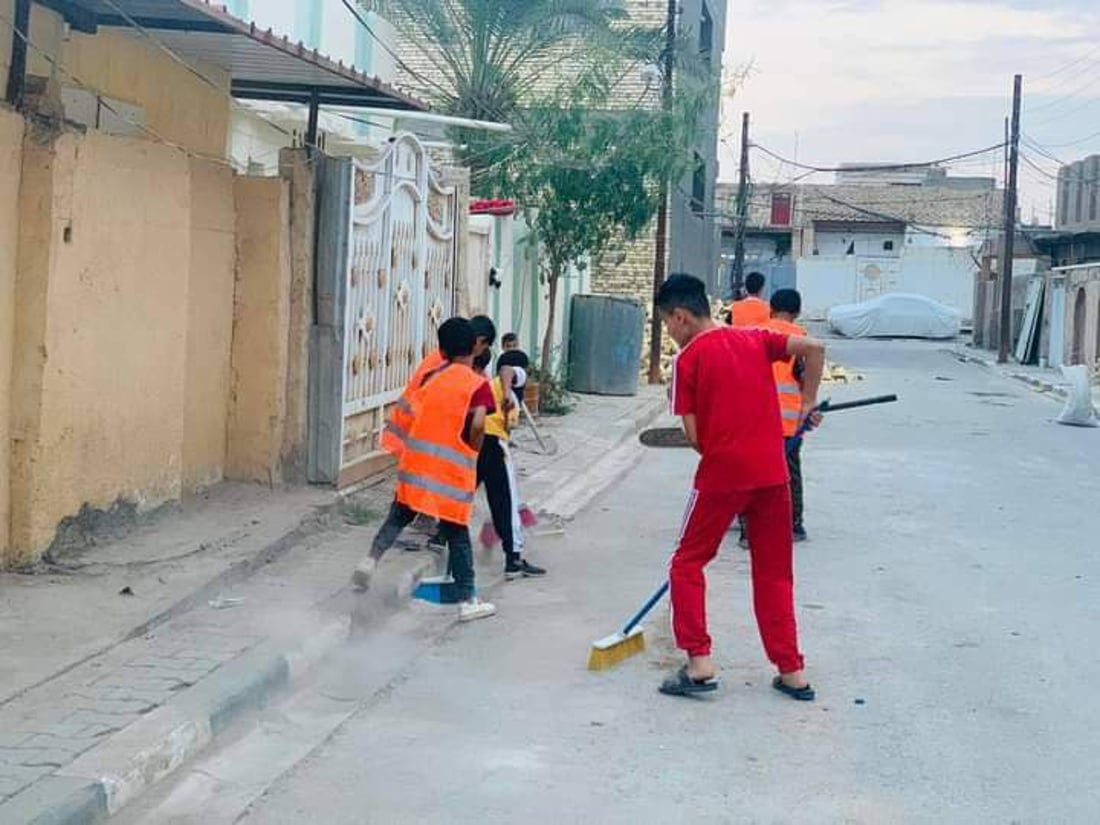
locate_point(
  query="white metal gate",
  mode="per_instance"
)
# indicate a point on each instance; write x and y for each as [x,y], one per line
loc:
[400,282]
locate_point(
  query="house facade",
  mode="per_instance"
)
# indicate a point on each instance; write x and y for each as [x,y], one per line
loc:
[867,235]
[162,322]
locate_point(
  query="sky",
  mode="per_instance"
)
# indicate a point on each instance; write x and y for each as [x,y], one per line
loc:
[911,80]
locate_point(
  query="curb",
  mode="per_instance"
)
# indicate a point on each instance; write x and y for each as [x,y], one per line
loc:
[1037,384]
[578,492]
[102,781]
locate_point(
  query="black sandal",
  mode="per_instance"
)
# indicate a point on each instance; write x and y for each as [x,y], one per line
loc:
[802,694]
[681,684]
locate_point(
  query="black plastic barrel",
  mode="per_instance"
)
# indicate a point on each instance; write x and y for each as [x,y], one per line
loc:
[605,344]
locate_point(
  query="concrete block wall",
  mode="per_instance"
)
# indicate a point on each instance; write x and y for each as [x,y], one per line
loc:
[261,324]
[11,156]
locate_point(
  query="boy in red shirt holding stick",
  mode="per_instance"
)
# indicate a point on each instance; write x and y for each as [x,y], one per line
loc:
[723,387]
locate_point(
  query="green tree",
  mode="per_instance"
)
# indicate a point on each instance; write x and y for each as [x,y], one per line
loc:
[591,177]
[585,165]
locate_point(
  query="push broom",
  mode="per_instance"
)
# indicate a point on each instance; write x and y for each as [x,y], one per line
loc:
[611,650]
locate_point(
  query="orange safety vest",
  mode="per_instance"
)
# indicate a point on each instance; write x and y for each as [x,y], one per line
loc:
[400,419]
[751,312]
[437,472]
[790,393]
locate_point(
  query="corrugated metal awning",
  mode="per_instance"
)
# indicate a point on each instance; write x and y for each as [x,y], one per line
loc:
[261,65]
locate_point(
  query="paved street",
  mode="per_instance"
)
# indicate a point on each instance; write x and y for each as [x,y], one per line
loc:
[947,601]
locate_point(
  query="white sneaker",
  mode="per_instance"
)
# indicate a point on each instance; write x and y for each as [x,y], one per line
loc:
[363,572]
[475,609]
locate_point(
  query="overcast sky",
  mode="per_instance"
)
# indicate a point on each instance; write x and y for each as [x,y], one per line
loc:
[911,80]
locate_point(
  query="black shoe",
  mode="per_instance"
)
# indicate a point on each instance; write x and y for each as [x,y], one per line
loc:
[522,568]
[800,534]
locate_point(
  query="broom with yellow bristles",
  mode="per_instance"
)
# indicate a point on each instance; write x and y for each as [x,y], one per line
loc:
[630,641]
[611,650]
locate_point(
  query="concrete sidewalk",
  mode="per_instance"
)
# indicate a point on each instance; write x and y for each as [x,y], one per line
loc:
[123,662]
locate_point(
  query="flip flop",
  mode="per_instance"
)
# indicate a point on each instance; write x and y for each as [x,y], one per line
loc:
[802,694]
[681,684]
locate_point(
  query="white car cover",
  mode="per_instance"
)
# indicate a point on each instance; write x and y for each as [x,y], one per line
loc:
[898,315]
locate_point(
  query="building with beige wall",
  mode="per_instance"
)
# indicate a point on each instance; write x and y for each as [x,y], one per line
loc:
[154,304]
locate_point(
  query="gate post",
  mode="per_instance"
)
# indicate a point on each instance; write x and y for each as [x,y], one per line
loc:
[326,352]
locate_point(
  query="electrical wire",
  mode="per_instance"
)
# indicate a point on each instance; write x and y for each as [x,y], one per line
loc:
[879,167]
[99,95]
[181,61]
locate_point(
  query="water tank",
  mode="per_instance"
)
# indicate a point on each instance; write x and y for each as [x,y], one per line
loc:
[605,344]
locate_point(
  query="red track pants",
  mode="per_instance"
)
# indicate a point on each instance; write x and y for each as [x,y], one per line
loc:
[767,514]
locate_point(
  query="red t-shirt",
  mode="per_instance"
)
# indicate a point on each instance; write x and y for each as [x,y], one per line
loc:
[724,378]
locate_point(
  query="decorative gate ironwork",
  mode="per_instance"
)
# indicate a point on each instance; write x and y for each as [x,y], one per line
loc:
[400,283]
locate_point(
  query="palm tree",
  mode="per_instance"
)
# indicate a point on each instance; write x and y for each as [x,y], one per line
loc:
[490,57]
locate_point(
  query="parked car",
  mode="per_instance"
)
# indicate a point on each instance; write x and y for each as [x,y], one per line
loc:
[897,315]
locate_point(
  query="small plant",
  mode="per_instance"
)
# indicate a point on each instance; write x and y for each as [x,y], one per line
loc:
[357,513]
[554,398]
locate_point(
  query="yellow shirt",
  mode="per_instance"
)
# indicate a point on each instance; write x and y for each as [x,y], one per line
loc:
[498,424]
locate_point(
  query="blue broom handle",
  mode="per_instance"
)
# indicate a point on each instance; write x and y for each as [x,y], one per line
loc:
[649,605]
[663,589]
[792,445]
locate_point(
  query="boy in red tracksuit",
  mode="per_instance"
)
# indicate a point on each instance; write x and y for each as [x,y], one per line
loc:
[723,387]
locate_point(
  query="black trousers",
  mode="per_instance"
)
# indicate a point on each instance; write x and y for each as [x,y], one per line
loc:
[492,471]
[794,467]
[460,555]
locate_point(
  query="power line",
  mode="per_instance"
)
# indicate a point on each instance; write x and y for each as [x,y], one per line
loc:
[148,131]
[1078,142]
[164,47]
[1070,65]
[880,167]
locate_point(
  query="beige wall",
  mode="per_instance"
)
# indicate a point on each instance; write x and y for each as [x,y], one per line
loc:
[124,313]
[11,140]
[257,411]
[126,66]
[209,323]
[100,345]
[194,114]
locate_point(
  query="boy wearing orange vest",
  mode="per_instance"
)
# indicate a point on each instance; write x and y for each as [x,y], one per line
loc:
[437,468]
[751,311]
[400,418]
[786,306]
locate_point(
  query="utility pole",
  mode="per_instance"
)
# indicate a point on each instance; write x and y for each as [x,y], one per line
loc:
[1009,250]
[742,211]
[661,251]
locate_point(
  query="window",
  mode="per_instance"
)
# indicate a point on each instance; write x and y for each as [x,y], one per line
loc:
[706,35]
[699,186]
[781,209]
[887,246]
[1093,202]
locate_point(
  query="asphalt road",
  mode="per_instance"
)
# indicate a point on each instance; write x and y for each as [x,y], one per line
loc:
[948,607]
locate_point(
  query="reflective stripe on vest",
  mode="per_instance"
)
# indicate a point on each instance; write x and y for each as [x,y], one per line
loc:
[437,471]
[438,487]
[396,431]
[440,451]
[790,393]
